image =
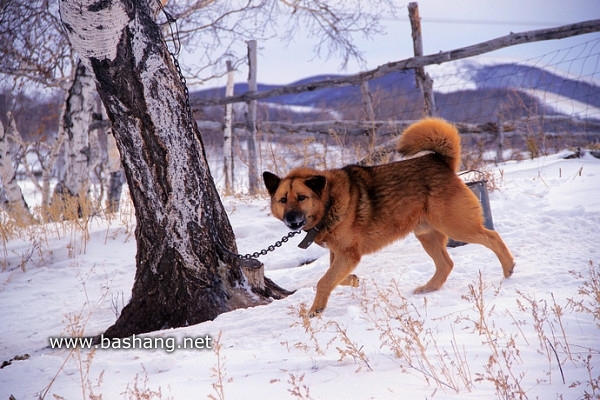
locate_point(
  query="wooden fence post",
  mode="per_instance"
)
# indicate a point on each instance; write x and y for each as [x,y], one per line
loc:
[228,133]
[367,100]
[424,81]
[500,149]
[251,120]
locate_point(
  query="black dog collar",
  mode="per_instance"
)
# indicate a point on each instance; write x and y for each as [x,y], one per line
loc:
[309,238]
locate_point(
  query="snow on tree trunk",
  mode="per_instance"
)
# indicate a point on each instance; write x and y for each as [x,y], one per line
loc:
[16,205]
[183,275]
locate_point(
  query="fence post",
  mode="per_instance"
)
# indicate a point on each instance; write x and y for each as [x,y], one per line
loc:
[251,120]
[424,81]
[500,149]
[228,133]
[367,100]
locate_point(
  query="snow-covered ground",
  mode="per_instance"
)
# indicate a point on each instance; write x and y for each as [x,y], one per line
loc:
[379,341]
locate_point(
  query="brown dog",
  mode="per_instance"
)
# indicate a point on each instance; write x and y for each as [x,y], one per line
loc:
[358,210]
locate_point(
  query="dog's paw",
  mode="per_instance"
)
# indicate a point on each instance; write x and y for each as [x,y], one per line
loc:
[351,280]
[508,273]
[424,289]
[314,312]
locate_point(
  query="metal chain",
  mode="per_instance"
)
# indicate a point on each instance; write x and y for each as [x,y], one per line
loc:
[172,21]
[272,247]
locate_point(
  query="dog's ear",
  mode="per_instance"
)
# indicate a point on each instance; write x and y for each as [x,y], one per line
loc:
[271,182]
[316,183]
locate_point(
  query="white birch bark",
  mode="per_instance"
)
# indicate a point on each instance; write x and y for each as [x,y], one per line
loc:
[253,181]
[228,132]
[14,135]
[50,162]
[95,134]
[115,184]
[16,204]
[80,105]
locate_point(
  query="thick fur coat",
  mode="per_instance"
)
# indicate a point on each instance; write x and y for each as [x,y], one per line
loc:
[358,210]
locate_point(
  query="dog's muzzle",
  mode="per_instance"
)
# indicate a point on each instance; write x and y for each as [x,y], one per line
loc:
[294,219]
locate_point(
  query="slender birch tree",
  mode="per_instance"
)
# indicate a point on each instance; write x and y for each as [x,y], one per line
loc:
[77,117]
[15,202]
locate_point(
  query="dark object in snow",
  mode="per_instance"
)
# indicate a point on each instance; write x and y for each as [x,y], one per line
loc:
[578,154]
[16,358]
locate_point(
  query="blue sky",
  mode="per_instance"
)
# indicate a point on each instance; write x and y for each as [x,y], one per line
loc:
[446,25]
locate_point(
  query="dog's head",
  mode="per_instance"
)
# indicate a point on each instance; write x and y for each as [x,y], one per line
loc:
[297,199]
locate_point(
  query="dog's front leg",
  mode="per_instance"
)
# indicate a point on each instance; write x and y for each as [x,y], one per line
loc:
[340,266]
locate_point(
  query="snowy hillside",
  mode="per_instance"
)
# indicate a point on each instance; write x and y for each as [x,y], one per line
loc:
[479,337]
[488,86]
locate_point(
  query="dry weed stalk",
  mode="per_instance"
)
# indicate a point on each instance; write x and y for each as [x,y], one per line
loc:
[318,330]
[589,291]
[218,371]
[299,390]
[403,329]
[75,328]
[141,391]
[500,368]
[589,303]
[543,320]
[312,328]
[350,348]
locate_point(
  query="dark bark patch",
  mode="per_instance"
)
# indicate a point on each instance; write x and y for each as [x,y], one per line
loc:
[99,5]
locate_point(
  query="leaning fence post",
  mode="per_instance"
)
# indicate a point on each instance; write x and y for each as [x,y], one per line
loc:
[424,81]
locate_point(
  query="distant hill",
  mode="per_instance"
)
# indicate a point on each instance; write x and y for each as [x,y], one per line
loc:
[478,93]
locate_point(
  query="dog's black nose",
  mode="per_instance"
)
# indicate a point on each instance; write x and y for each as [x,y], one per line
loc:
[294,219]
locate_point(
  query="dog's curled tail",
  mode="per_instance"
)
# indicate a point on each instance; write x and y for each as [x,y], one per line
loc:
[435,135]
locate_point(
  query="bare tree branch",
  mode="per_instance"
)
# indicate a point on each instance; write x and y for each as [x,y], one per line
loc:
[216,31]
[33,44]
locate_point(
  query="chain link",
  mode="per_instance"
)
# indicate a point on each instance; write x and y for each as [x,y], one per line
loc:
[272,247]
[172,21]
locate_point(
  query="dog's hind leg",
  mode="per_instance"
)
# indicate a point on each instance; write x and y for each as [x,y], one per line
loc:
[493,241]
[338,274]
[434,243]
[462,220]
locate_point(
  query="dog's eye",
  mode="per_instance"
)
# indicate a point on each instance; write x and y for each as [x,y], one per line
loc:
[283,200]
[302,197]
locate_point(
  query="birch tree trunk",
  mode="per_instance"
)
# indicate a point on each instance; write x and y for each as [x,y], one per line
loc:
[115,184]
[16,204]
[253,185]
[49,168]
[183,274]
[76,122]
[228,133]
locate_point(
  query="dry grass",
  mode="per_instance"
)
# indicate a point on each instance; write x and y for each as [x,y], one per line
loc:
[298,389]
[139,389]
[219,373]
[406,332]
